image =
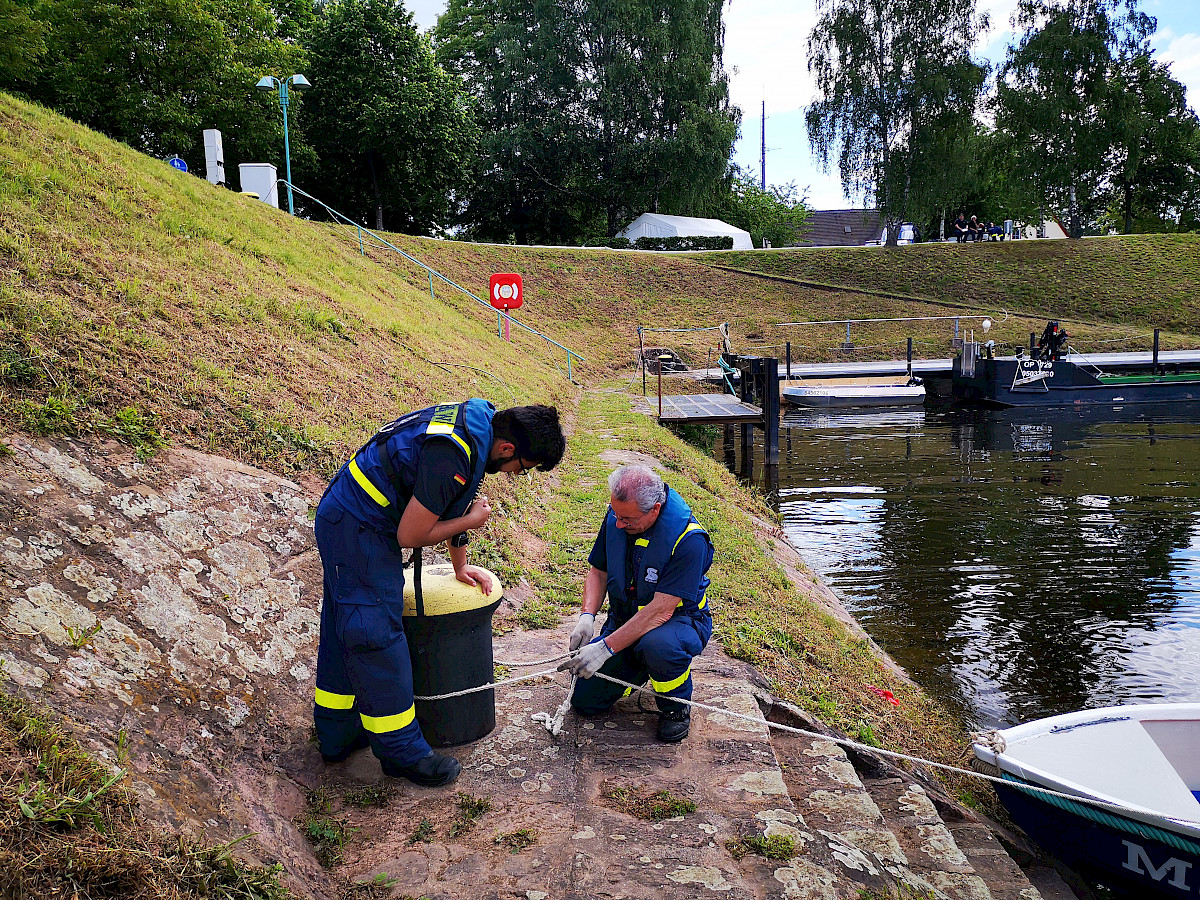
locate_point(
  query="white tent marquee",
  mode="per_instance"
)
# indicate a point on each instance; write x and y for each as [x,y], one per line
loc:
[659,226]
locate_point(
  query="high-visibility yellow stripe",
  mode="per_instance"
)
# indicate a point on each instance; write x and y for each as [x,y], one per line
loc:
[448,430]
[365,483]
[692,526]
[334,701]
[703,603]
[661,687]
[384,724]
[642,542]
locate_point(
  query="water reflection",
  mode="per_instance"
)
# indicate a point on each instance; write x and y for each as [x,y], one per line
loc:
[1018,564]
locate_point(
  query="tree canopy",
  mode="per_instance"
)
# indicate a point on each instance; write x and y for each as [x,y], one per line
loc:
[156,73]
[590,113]
[898,93]
[391,128]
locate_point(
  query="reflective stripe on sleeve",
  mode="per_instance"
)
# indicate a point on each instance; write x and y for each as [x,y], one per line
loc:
[384,724]
[334,701]
[662,687]
[365,483]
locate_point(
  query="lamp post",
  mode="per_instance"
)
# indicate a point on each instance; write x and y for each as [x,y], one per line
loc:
[271,83]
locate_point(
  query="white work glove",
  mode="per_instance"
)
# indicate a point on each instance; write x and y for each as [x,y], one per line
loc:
[589,660]
[584,629]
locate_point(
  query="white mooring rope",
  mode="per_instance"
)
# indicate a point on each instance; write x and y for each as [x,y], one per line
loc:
[554,723]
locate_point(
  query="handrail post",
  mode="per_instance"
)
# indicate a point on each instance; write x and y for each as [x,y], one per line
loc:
[361,250]
[431,297]
[569,378]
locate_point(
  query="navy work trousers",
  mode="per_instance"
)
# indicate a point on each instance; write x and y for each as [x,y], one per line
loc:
[663,655]
[364,674]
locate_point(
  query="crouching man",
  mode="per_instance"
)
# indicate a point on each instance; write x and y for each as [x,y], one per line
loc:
[650,557]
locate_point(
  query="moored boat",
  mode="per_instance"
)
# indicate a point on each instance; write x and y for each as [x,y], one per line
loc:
[1052,377]
[909,392]
[1141,762]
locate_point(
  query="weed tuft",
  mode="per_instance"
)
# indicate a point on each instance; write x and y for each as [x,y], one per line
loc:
[79,638]
[140,431]
[470,810]
[777,846]
[649,806]
[422,834]
[516,841]
[368,795]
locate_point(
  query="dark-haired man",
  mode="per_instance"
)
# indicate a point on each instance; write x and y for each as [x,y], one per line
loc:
[413,484]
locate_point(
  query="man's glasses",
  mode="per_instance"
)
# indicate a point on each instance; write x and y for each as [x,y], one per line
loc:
[633,520]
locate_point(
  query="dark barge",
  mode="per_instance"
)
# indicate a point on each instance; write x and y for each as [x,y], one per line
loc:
[1051,377]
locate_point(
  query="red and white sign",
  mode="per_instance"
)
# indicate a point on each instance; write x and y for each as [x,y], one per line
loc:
[505,291]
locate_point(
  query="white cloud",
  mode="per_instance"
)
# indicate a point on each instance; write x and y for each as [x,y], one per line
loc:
[1182,53]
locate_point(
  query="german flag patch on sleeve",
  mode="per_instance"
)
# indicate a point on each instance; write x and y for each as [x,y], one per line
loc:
[460,480]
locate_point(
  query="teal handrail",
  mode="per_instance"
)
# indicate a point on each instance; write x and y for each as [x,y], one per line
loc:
[571,354]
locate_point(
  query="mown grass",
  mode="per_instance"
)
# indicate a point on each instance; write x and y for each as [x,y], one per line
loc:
[155,308]
[1143,280]
[70,827]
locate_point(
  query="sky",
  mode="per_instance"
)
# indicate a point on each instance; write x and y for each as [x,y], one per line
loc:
[765,55]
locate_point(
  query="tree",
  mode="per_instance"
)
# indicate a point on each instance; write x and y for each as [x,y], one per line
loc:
[391,127]
[898,95]
[590,112]
[156,73]
[22,41]
[1153,142]
[1053,95]
[778,215]
[519,61]
[657,99]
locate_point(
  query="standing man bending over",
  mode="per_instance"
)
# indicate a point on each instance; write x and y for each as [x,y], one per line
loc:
[412,485]
[650,557]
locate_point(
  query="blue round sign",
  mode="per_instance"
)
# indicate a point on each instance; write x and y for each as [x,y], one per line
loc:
[178,163]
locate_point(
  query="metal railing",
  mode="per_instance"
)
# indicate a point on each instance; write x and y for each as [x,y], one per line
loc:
[434,273]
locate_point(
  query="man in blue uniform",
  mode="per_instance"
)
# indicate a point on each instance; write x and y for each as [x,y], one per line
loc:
[650,557]
[413,484]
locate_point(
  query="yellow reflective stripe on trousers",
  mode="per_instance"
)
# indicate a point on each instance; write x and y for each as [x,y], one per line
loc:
[661,687]
[448,430]
[384,724]
[692,526]
[334,701]
[365,483]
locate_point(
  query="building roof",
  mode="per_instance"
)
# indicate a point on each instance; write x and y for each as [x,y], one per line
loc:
[842,228]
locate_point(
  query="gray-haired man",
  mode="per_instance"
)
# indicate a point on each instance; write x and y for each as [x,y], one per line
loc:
[650,557]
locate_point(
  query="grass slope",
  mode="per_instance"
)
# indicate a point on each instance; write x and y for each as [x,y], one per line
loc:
[1143,280]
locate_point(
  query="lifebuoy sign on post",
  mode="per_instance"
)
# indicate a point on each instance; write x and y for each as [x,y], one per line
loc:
[505,292]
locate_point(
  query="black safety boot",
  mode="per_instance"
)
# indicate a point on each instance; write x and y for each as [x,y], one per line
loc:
[673,726]
[434,770]
[355,745]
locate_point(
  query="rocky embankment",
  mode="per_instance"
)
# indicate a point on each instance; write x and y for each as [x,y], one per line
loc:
[169,610]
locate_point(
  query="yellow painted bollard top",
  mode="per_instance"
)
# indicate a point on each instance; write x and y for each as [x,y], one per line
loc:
[443,594]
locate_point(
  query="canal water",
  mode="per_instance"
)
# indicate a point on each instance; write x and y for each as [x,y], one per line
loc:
[1017,564]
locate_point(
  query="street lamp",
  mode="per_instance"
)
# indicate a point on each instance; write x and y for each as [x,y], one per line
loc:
[270,83]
